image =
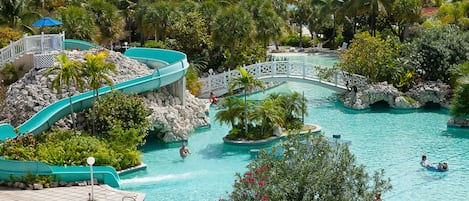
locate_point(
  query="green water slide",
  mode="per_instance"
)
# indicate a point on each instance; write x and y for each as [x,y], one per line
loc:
[169,66]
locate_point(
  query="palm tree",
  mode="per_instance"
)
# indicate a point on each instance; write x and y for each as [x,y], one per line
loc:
[68,73]
[230,115]
[96,70]
[248,82]
[110,22]
[15,14]
[295,105]
[269,112]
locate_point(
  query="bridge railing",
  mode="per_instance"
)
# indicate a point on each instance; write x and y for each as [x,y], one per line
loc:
[30,44]
[283,69]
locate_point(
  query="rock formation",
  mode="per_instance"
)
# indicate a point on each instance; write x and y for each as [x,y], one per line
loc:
[416,97]
[32,93]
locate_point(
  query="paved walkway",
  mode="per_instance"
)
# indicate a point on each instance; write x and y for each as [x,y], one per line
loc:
[75,193]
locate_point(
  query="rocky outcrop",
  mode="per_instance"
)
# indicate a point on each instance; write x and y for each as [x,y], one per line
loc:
[362,97]
[32,93]
[173,120]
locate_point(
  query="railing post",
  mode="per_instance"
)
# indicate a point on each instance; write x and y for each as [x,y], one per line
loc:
[274,68]
[12,51]
[288,68]
[26,45]
[62,40]
[210,77]
[258,69]
[42,42]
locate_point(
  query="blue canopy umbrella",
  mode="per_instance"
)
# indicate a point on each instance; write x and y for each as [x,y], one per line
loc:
[47,21]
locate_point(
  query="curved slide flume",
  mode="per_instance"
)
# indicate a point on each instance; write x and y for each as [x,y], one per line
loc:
[171,67]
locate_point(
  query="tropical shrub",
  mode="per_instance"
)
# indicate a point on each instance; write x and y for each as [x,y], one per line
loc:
[7,34]
[437,50]
[193,84]
[307,169]
[373,57]
[117,109]
[294,41]
[62,147]
[460,102]
[11,73]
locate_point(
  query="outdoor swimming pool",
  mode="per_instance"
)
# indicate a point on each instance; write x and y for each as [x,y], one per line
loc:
[381,138]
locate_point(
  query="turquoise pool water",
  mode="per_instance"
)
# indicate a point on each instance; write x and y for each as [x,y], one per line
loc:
[381,138]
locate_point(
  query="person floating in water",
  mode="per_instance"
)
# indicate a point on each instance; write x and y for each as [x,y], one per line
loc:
[213,98]
[424,161]
[441,167]
[184,151]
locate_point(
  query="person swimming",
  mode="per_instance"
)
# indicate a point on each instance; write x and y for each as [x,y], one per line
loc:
[441,167]
[184,151]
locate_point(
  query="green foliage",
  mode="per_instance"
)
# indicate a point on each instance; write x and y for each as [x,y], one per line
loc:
[307,169]
[10,73]
[117,109]
[192,82]
[108,20]
[62,147]
[294,41]
[190,33]
[410,100]
[282,110]
[30,178]
[7,34]
[233,29]
[460,102]
[155,44]
[437,50]
[375,58]
[77,23]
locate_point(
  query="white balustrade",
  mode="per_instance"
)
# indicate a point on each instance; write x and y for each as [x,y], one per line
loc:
[280,69]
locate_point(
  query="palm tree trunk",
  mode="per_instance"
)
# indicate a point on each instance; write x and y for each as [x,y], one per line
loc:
[245,113]
[94,113]
[71,112]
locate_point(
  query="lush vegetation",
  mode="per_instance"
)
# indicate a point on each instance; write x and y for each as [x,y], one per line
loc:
[307,169]
[251,120]
[121,122]
[460,102]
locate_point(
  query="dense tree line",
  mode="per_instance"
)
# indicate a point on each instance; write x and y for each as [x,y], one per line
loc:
[220,34]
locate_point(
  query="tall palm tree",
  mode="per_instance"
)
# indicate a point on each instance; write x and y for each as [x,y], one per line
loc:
[68,73]
[96,69]
[248,82]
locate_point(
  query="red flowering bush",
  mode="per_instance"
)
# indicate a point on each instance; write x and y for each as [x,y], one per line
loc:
[250,185]
[307,168]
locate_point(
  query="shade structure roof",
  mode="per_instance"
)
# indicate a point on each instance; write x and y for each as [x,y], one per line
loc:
[47,21]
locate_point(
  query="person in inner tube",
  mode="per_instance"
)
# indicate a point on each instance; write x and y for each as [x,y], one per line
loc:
[443,166]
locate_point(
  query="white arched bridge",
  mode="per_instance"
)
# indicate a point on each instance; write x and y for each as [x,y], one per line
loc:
[283,71]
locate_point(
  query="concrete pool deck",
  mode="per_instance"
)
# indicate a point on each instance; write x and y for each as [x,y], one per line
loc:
[74,193]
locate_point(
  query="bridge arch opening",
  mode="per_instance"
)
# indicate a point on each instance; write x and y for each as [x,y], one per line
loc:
[431,106]
[380,106]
